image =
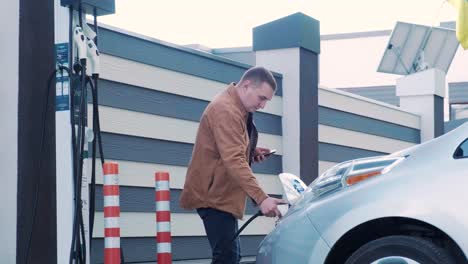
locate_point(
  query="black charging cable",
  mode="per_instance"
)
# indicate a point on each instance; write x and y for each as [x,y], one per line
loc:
[259,213]
[42,140]
[227,243]
[78,245]
[93,83]
[78,119]
[97,137]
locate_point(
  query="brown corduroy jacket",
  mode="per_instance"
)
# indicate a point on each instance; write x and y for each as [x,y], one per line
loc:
[219,175]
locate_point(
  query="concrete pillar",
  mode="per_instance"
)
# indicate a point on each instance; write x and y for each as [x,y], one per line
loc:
[290,46]
[423,93]
[29,173]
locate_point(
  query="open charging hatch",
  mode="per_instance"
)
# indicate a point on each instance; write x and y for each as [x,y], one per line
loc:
[293,187]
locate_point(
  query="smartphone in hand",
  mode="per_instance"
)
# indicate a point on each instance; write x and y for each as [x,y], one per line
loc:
[270,153]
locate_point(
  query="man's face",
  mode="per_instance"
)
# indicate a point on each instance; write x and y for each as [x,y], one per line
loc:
[255,97]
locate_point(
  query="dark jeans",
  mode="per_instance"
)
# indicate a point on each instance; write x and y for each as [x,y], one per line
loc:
[220,228]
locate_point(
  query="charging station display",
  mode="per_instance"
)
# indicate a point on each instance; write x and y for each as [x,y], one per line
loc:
[62,85]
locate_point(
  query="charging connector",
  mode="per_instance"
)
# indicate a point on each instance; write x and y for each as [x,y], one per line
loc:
[94,59]
[80,42]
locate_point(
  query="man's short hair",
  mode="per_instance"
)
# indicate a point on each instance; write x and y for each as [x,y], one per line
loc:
[259,75]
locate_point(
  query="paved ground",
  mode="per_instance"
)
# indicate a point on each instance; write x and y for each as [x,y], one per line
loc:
[246,260]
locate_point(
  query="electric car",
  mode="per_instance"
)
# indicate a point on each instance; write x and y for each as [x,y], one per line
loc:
[407,207]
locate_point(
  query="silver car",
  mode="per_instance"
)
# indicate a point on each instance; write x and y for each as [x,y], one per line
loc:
[407,207]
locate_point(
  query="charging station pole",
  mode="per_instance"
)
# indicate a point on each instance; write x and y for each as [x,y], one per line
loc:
[64,167]
[74,41]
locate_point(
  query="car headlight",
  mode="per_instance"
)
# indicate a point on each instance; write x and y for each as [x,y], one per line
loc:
[352,172]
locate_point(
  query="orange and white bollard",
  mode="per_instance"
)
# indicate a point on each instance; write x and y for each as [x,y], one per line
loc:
[163,218]
[111,213]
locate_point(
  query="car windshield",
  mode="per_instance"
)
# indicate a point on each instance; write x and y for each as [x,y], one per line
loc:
[462,150]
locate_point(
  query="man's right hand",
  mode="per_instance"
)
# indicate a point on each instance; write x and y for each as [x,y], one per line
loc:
[269,207]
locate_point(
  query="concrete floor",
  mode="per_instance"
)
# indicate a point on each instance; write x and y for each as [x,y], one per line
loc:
[245,260]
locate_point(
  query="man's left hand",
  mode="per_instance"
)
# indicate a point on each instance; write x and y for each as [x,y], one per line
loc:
[261,154]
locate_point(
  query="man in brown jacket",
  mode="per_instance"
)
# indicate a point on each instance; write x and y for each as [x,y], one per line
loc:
[219,177]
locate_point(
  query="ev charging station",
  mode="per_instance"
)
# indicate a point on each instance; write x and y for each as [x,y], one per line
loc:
[77,68]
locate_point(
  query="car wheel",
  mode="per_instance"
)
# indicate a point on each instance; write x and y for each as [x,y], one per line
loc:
[400,250]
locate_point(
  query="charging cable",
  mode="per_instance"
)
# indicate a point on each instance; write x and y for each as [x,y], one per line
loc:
[259,213]
[282,208]
[78,243]
[43,132]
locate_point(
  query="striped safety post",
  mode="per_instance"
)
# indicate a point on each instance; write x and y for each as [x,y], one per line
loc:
[163,218]
[111,213]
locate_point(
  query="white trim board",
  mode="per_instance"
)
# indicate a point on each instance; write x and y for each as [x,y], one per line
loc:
[359,105]
[144,225]
[142,175]
[349,138]
[139,124]
[325,165]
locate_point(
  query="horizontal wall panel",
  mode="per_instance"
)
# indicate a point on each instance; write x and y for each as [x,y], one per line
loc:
[325,165]
[120,121]
[384,93]
[129,148]
[141,174]
[458,92]
[143,249]
[175,83]
[141,199]
[143,100]
[367,125]
[172,57]
[451,125]
[338,136]
[144,225]
[336,153]
[348,102]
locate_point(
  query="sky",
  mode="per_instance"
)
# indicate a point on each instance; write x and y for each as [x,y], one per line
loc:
[223,23]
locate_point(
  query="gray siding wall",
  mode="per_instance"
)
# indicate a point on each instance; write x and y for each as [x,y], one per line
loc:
[353,127]
[458,93]
[166,104]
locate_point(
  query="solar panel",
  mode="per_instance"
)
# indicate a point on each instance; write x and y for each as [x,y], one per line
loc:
[413,48]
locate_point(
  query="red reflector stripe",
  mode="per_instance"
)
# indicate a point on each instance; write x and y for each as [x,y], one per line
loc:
[112,255]
[112,232]
[111,211]
[163,237]
[163,216]
[164,258]
[111,190]
[161,176]
[111,168]
[163,195]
